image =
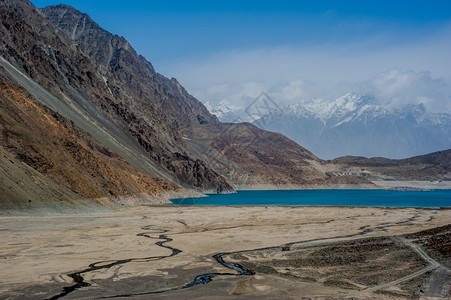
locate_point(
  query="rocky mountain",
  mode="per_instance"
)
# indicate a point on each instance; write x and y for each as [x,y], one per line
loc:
[84,114]
[356,125]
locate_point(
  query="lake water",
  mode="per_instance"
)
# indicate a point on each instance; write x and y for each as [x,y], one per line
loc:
[434,198]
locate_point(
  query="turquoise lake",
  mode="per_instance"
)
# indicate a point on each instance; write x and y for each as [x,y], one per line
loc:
[386,198]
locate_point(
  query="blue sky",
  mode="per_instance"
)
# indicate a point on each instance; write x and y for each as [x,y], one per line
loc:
[233,50]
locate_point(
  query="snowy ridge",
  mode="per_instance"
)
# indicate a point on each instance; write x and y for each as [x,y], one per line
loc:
[339,108]
[354,125]
[221,109]
[227,112]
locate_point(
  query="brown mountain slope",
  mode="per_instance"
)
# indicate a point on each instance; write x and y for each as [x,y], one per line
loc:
[24,189]
[60,151]
[259,155]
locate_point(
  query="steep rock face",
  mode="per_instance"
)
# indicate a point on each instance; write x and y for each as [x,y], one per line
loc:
[126,69]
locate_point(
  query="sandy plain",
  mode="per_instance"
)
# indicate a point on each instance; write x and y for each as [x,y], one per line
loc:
[168,252]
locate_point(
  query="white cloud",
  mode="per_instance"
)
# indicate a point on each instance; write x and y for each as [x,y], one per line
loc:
[398,87]
[294,90]
[231,93]
[419,71]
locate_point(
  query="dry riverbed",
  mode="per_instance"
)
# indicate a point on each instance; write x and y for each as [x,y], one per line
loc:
[261,252]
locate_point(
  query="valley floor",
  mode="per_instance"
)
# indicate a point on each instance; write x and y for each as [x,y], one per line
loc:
[169,253]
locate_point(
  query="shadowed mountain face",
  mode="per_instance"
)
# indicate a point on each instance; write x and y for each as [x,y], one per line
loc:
[122,115]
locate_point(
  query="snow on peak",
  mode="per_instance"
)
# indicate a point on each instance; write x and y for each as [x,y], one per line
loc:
[222,108]
[336,112]
[336,108]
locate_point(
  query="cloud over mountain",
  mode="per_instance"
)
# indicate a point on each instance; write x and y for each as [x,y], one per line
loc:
[413,71]
[397,87]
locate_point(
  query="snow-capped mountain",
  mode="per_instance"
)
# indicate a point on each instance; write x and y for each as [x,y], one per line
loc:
[223,110]
[337,112]
[357,125]
[228,113]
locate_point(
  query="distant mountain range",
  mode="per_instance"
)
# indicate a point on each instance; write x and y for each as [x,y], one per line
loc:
[354,125]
